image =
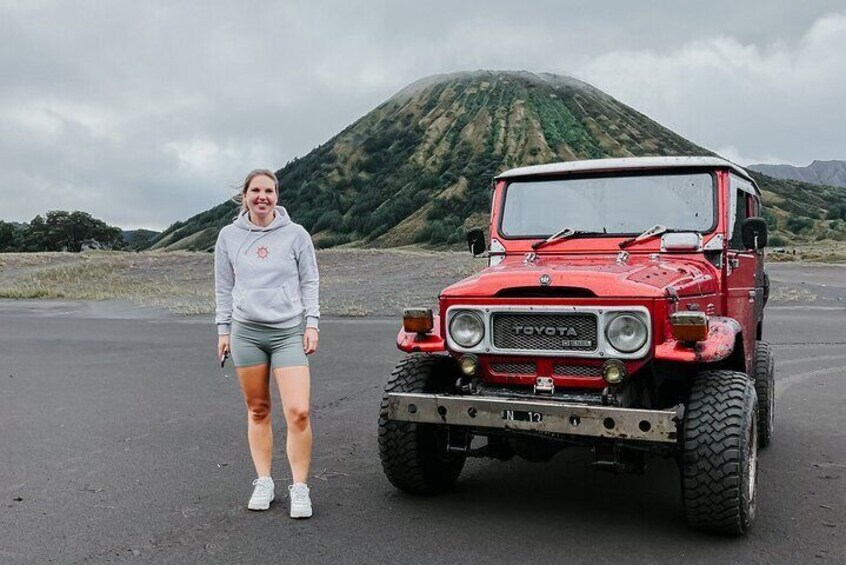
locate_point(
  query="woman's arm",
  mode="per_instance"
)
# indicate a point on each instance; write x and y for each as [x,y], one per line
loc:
[309,279]
[224,280]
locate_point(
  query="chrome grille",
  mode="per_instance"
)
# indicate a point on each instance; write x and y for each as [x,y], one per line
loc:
[514,368]
[549,332]
[577,371]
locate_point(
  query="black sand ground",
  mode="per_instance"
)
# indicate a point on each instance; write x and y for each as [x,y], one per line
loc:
[122,442]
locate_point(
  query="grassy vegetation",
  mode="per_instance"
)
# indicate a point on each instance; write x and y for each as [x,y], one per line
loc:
[353,282]
[170,280]
[818,252]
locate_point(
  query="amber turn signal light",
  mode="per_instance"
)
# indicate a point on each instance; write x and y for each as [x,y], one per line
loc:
[689,326]
[418,320]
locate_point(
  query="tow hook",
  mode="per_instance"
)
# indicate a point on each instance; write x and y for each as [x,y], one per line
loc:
[466,385]
[544,385]
[609,397]
[616,460]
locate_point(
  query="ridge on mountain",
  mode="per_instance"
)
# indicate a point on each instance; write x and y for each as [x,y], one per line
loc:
[484,74]
[417,169]
[832,172]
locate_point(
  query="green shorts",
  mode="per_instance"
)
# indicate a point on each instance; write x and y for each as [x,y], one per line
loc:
[257,344]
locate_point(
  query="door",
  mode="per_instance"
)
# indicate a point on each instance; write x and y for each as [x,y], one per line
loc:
[744,277]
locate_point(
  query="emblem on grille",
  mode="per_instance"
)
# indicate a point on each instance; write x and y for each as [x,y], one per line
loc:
[552,331]
[545,280]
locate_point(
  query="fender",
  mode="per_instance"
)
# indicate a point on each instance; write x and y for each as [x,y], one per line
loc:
[431,342]
[722,333]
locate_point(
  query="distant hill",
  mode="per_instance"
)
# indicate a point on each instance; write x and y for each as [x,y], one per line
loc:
[819,172]
[417,169]
[139,239]
[129,235]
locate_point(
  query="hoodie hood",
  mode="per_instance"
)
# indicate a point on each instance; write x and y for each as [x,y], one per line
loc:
[600,276]
[282,219]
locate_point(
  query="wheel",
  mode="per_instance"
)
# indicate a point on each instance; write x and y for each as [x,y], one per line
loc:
[764,376]
[720,453]
[414,456]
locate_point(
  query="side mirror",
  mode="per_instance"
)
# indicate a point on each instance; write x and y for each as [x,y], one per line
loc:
[753,232]
[476,241]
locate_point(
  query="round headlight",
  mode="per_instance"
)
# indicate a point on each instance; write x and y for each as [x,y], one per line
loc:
[626,333]
[466,329]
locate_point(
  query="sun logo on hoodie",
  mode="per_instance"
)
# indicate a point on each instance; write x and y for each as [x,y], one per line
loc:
[262,252]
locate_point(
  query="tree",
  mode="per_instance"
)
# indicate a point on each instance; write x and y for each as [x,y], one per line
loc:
[67,231]
[34,237]
[8,237]
[63,231]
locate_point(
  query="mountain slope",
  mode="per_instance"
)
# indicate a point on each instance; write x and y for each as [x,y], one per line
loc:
[417,169]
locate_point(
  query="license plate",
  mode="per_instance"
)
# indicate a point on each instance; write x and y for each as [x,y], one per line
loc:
[522,416]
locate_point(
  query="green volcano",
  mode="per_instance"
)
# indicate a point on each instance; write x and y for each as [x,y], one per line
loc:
[417,169]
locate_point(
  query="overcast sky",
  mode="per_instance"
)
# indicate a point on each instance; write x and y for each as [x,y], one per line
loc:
[145,113]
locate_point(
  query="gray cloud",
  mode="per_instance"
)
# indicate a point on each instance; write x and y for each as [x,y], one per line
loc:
[144,114]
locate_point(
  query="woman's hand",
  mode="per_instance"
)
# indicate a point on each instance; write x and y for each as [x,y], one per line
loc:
[222,346]
[310,339]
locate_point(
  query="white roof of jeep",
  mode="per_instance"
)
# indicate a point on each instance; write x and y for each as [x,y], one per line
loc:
[624,164]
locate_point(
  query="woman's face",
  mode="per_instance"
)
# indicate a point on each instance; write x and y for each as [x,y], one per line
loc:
[261,196]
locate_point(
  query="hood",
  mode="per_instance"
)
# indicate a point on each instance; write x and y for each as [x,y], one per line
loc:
[282,219]
[588,276]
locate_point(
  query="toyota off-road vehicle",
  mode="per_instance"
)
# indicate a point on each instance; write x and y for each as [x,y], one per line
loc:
[621,310]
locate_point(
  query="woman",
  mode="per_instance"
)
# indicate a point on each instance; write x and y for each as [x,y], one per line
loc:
[265,266]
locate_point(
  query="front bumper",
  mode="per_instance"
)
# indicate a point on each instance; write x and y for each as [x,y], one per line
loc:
[537,416]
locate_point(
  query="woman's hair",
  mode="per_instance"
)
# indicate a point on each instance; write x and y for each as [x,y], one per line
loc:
[242,191]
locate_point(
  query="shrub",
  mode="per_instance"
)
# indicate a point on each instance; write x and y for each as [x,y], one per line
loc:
[777,241]
[799,224]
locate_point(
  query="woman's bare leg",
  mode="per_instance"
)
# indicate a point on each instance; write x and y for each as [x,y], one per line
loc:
[255,384]
[294,388]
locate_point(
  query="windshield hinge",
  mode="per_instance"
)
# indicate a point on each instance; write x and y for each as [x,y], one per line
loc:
[530,258]
[622,257]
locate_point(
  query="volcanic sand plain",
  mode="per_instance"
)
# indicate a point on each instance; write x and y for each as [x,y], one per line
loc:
[123,441]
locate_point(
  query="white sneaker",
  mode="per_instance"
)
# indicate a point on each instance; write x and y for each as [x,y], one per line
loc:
[263,494]
[300,501]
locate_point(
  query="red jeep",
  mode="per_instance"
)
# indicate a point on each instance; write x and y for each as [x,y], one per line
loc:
[621,310]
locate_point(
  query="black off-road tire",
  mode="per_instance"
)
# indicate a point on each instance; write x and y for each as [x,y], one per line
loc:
[414,456]
[720,453]
[764,376]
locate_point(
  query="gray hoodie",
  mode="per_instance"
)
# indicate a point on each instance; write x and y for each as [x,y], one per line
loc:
[269,274]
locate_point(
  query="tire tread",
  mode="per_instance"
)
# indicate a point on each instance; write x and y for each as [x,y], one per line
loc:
[409,461]
[714,444]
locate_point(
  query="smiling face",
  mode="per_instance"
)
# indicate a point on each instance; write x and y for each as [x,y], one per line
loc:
[260,198]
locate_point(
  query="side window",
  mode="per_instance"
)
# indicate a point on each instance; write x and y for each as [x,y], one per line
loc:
[740,214]
[755,207]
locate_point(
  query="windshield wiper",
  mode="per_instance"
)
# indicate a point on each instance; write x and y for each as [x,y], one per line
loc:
[654,231]
[564,234]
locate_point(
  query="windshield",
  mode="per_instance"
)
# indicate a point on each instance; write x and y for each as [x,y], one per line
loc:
[614,205]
